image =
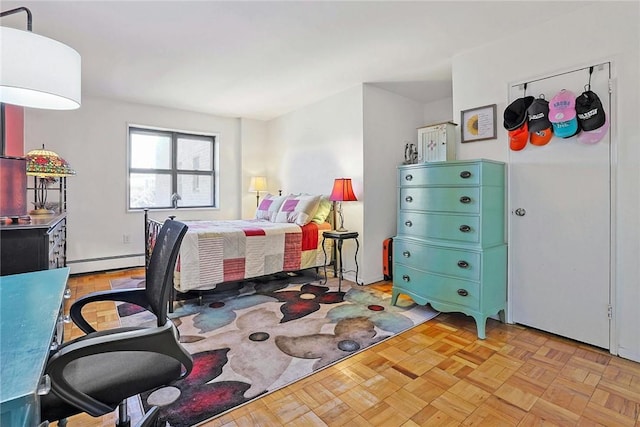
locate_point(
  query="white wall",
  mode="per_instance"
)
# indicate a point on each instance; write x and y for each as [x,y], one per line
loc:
[94,141]
[390,120]
[312,146]
[255,148]
[482,77]
[439,112]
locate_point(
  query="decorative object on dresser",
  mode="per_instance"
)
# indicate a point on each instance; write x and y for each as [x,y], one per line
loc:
[437,142]
[342,192]
[450,250]
[45,166]
[410,154]
[258,184]
[37,71]
[478,124]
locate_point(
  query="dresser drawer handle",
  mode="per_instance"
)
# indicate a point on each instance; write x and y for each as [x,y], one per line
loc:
[463,292]
[465,228]
[406,278]
[463,264]
[465,174]
[408,223]
[408,199]
[465,199]
[408,177]
[406,254]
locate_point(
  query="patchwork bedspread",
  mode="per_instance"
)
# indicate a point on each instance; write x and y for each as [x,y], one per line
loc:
[213,252]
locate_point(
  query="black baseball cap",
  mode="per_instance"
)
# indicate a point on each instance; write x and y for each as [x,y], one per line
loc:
[515,115]
[589,111]
[538,115]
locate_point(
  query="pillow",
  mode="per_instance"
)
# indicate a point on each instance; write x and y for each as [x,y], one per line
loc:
[324,208]
[298,209]
[269,207]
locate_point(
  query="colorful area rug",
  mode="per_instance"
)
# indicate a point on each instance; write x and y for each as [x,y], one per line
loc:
[262,335]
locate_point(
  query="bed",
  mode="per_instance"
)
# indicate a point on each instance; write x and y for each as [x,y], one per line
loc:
[284,236]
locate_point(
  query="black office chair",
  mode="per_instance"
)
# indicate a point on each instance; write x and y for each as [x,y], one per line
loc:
[97,372]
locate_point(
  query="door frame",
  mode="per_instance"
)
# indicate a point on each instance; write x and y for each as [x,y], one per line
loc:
[613,172]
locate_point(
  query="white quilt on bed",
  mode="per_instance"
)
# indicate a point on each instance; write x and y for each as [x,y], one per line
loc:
[213,252]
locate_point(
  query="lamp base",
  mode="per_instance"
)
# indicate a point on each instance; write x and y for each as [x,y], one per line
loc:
[42,211]
[341,230]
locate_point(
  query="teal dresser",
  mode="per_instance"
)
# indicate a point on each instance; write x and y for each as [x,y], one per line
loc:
[450,249]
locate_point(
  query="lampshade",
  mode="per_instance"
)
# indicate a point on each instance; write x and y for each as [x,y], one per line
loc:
[44,163]
[38,72]
[258,183]
[342,191]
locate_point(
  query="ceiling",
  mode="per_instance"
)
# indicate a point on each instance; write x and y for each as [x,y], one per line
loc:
[263,59]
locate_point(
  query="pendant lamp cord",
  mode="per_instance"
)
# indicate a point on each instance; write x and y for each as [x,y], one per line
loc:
[19,9]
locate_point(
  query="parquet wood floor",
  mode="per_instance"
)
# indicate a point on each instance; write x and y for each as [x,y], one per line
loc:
[436,374]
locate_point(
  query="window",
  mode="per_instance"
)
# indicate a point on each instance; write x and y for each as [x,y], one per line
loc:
[167,167]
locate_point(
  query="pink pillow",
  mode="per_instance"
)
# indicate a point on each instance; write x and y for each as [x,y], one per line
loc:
[269,207]
[298,209]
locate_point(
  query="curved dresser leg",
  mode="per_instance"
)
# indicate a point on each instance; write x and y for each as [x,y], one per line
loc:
[481,323]
[394,297]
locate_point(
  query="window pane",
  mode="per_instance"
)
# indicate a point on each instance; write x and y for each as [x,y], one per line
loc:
[195,153]
[150,190]
[150,151]
[195,190]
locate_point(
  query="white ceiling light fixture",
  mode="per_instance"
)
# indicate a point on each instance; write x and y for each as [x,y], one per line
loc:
[36,71]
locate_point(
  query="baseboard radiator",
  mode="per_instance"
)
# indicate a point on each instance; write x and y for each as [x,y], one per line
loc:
[93,265]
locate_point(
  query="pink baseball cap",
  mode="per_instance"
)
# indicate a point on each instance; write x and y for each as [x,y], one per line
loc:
[562,107]
[596,135]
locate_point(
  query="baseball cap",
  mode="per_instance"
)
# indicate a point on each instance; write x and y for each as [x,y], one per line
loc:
[562,107]
[541,137]
[566,129]
[538,115]
[594,136]
[518,137]
[589,110]
[516,113]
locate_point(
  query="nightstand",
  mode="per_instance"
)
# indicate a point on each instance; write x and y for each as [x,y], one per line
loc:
[339,237]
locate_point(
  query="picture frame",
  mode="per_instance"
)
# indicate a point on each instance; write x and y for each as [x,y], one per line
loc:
[478,124]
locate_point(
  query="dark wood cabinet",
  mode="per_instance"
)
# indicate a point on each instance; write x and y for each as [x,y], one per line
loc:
[39,245]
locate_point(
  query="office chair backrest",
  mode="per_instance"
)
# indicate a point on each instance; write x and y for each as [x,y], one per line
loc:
[159,276]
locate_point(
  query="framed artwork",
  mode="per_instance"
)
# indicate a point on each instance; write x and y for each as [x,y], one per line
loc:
[478,124]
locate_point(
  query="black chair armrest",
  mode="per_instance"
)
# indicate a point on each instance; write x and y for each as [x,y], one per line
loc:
[136,296]
[161,340]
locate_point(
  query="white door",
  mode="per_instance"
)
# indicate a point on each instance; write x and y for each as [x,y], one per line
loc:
[559,225]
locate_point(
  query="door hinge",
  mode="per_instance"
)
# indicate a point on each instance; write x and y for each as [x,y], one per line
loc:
[609,311]
[610,86]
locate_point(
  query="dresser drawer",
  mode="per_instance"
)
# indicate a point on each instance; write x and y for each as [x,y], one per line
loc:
[435,259]
[445,174]
[443,199]
[437,288]
[456,228]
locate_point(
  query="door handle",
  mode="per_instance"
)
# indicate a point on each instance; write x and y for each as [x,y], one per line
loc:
[520,212]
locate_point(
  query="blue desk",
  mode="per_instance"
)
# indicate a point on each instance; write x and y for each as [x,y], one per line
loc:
[29,309]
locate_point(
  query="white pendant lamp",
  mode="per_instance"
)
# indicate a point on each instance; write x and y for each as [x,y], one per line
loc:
[36,71]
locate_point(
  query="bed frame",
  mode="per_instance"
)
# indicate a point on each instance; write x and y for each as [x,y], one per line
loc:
[152,229]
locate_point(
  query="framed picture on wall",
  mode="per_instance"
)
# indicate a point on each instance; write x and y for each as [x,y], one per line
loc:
[478,124]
